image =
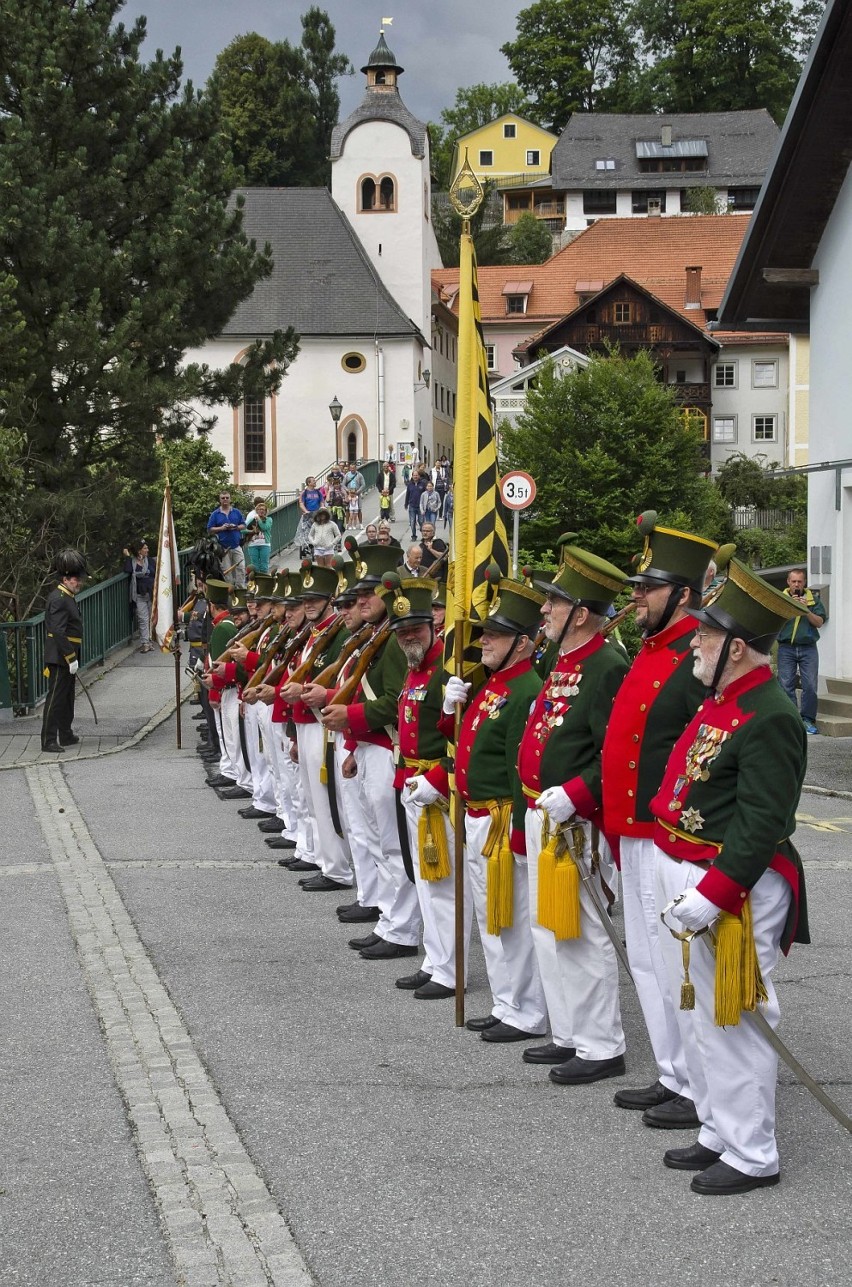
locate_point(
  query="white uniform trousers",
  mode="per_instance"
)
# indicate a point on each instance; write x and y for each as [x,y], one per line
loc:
[332,851]
[579,975]
[352,815]
[732,1071]
[226,766]
[230,707]
[400,920]
[276,748]
[437,900]
[263,787]
[510,959]
[642,930]
[303,821]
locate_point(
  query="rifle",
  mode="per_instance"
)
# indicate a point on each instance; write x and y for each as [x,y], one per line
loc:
[345,694]
[266,657]
[278,672]
[248,636]
[301,673]
[326,677]
[614,622]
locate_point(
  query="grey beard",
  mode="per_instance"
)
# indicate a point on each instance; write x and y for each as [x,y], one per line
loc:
[414,654]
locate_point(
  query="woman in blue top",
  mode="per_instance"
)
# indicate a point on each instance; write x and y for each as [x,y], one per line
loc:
[310,500]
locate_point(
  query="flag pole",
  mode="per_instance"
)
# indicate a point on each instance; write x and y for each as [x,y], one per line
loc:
[175,622]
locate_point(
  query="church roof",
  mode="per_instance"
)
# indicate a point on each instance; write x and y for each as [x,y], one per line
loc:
[387,106]
[382,57]
[322,282]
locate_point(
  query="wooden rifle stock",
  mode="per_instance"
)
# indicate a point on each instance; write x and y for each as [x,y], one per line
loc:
[266,658]
[326,677]
[345,694]
[278,672]
[248,636]
[301,673]
[614,622]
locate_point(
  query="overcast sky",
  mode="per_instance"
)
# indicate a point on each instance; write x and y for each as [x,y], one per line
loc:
[442,44]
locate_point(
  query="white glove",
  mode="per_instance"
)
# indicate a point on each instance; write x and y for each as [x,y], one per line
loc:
[421,791]
[457,691]
[74,666]
[557,803]
[694,911]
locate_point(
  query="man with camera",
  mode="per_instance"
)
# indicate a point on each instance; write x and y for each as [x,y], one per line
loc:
[797,648]
[227,524]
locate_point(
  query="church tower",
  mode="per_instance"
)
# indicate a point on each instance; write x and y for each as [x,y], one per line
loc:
[380,179]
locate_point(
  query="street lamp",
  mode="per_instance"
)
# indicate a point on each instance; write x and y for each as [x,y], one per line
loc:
[336,410]
[427,376]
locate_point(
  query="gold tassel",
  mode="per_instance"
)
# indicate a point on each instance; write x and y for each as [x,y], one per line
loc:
[499,871]
[323,774]
[432,844]
[687,988]
[739,982]
[566,899]
[546,882]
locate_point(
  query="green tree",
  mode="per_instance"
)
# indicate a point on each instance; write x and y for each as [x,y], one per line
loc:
[704,200]
[723,55]
[604,443]
[748,482]
[280,103]
[574,56]
[490,238]
[531,240]
[120,249]
[474,107]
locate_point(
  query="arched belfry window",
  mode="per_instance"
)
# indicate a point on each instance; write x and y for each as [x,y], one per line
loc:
[387,193]
[368,194]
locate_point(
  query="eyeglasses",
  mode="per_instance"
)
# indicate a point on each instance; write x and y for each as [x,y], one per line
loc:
[643,587]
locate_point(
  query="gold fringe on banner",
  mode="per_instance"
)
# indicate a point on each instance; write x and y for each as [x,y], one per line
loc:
[739,982]
[432,844]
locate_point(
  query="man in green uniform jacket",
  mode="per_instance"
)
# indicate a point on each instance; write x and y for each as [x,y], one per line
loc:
[63,644]
[724,816]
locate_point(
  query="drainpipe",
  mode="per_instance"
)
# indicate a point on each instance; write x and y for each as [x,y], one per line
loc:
[380,397]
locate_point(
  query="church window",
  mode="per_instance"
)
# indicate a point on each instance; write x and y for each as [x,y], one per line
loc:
[254,436]
[368,194]
[387,194]
[353,362]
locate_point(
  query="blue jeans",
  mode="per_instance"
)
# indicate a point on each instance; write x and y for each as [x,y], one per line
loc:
[414,515]
[804,659]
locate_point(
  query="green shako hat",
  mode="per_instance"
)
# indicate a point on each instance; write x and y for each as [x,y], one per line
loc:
[346,578]
[218,592]
[287,587]
[440,593]
[516,606]
[371,562]
[584,578]
[239,600]
[748,607]
[677,558]
[407,599]
[261,586]
[317,582]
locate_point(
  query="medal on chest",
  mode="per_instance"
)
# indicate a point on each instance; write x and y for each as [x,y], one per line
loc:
[412,696]
[490,706]
[706,745]
[561,688]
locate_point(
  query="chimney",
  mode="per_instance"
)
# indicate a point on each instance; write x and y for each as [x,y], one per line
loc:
[693,288]
[666,135]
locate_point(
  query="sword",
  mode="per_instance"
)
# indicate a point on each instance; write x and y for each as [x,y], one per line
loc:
[763,1026]
[604,917]
[88,695]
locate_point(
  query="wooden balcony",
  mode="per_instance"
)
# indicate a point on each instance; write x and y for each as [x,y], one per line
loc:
[544,210]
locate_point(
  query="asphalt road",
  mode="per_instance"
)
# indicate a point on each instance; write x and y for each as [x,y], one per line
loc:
[398,1149]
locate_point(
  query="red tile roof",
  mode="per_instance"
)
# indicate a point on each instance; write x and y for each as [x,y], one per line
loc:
[654,252]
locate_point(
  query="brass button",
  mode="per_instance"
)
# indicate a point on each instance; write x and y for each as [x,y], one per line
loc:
[630,793]
[635,737]
[734,723]
[643,707]
[630,820]
[631,764]
[656,683]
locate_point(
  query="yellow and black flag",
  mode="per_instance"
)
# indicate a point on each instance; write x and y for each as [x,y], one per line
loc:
[478,532]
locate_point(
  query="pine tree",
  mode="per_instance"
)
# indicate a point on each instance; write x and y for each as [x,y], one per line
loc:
[120,248]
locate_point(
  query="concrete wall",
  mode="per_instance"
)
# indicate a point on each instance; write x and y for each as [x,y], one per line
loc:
[830,526]
[745,402]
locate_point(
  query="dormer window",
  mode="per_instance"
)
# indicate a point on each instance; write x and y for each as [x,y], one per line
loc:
[516,295]
[605,163]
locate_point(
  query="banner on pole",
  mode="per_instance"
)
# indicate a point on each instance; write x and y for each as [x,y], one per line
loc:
[168,577]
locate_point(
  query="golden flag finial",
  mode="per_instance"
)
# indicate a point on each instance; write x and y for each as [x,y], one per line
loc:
[466,193]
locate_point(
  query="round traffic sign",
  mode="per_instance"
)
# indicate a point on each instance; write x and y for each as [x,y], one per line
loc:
[517,489]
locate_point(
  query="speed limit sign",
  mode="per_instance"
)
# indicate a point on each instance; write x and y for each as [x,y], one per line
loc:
[517,489]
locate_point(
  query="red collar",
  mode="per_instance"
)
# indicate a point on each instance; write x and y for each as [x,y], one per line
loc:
[567,660]
[744,684]
[511,672]
[674,630]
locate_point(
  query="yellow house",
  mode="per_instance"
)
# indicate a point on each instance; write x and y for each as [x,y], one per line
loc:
[510,147]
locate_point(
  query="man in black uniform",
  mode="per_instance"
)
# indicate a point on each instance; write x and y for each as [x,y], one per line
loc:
[63,644]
